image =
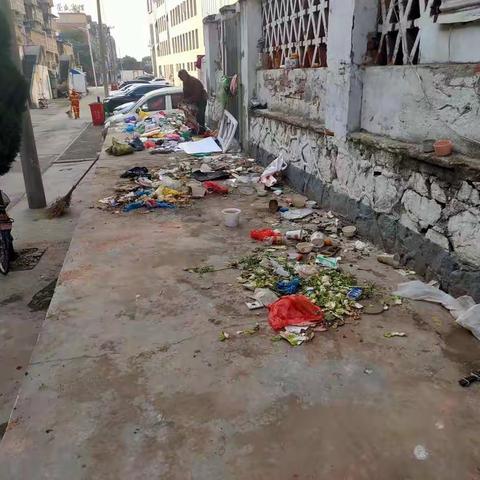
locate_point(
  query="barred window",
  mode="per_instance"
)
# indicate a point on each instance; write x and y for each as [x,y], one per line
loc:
[298,28]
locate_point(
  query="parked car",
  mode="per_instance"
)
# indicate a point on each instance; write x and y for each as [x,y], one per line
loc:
[130,82]
[123,108]
[132,95]
[157,79]
[147,77]
[168,98]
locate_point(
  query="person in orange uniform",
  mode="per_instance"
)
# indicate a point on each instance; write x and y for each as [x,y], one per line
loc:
[75,103]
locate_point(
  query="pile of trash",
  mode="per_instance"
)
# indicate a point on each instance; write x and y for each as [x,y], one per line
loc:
[161,133]
[180,181]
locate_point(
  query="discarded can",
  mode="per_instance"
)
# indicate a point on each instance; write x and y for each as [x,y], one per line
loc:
[295,234]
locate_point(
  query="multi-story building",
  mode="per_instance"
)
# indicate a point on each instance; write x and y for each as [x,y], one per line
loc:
[176,36]
[79,29]
[36,39]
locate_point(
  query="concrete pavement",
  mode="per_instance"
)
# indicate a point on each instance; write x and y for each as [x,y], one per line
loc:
[54,133]
[20,322]
[129,381]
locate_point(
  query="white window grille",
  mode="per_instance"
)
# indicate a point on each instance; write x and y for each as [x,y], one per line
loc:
[296,27]
[399,31]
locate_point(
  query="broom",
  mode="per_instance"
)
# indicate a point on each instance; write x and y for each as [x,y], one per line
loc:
[62,204]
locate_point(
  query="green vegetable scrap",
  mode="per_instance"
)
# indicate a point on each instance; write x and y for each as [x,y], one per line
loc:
[250,331]
[296,339]
[327,289]
[223,336]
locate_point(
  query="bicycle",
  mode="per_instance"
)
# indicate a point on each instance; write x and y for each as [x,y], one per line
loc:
[7,253]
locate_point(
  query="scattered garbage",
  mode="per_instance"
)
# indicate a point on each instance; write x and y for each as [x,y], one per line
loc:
[268,176]
[296,339]
[265,234]
[293,310]
[296,234]
[136,172]
[387,259]
[304,247]
[469,379]
[349,231]
[328,262]
[118,148]
[394,334]
[463,309]
[210,176]
[213,187]
[318,239]
[223,336]
[265,296]
[355,293]
[296,213]
[254,305]
[288,287]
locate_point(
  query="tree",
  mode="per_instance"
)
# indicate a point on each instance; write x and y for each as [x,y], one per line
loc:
[130,63]
[147,64]
[13,98]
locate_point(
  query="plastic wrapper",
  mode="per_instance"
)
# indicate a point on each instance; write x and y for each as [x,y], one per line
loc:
[268,175]
[463,309]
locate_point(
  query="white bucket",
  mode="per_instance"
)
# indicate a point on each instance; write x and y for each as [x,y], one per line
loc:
[231,217]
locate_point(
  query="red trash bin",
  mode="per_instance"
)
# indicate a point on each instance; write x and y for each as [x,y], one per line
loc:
[98,114]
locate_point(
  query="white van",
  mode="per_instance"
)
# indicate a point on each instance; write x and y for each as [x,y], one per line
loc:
[167,98]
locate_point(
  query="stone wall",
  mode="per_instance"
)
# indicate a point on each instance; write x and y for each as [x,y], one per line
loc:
[425,209]
[297,91]
[447,100]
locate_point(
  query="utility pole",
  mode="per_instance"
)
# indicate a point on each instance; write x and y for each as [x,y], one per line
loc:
[103,62]
[91,55]
[32,174]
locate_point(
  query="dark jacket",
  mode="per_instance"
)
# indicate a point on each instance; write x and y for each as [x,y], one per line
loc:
[193,91]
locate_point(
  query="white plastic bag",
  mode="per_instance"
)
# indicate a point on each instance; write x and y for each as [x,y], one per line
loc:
[268,175]
[463,309]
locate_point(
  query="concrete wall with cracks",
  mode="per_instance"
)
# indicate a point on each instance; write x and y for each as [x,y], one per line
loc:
[395,103]
[427,213]
[300,91]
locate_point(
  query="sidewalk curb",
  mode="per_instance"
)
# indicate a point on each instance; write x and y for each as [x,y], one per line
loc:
[19,199]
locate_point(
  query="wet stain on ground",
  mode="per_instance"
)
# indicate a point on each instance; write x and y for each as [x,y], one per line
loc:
[41,300]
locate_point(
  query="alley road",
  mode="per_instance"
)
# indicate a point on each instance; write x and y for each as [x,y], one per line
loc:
[54,133]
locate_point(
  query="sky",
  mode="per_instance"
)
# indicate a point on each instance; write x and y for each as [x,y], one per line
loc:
[130,19]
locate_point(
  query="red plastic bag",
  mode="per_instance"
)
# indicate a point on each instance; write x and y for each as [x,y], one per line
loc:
[214,187]
[149,144]
[265,234]
[293,310]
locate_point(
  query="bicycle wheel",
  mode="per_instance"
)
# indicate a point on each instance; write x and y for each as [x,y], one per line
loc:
[6,248]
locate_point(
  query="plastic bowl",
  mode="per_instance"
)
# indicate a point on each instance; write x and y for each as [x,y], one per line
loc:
[349,231]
